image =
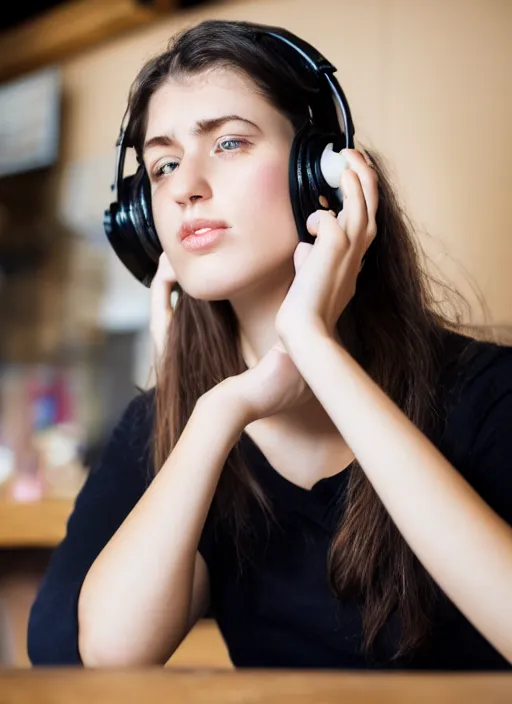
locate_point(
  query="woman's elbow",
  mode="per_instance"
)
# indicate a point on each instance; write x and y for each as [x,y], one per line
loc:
[97,654]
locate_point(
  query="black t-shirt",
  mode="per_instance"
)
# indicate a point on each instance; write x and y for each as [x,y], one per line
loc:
[278,611]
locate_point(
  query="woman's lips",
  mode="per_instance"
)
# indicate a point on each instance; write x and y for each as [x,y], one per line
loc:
[208,239]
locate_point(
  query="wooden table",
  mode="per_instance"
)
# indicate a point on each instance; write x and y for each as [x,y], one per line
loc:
[28,532]
[73,686]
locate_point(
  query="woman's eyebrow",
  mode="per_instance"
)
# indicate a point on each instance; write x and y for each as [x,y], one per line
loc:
[201,127]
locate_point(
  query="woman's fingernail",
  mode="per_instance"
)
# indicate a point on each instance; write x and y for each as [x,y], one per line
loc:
[313,219]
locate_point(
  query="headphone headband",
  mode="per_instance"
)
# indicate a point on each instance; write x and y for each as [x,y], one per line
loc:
[323,69]
[309,53]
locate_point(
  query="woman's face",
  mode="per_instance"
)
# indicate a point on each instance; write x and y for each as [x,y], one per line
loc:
[215,149]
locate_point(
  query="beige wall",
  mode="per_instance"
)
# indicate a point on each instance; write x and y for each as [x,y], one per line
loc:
[429,86]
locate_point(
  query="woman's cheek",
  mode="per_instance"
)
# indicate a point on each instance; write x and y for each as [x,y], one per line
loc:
[269,184]
[270,195]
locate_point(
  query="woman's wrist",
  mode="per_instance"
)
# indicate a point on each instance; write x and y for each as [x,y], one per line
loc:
[224,401]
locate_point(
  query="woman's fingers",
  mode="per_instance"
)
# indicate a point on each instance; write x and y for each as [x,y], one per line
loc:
[160,302]
[163,281]
[165,270]
[353,218]
[366,190]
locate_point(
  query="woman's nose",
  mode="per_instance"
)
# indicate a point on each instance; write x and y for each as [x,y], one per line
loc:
[189,182]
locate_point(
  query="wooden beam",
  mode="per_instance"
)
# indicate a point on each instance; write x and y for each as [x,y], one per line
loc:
[69,28]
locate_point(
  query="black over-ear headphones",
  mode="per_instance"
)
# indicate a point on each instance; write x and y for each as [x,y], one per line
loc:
[129,223]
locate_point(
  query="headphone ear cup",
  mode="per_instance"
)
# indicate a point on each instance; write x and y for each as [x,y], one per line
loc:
[143,214]
[130,230]
[307,183]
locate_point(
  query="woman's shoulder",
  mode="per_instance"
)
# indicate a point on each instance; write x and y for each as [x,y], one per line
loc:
[477,381]
[128,445]
[475,367]
[138,416]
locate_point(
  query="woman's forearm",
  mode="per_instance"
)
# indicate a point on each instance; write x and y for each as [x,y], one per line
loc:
[134,604]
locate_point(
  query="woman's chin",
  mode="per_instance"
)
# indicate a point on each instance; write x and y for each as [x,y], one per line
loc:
[219,287]
[209,293]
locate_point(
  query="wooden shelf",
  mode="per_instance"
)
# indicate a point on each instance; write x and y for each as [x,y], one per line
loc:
[59,33]
[33,524]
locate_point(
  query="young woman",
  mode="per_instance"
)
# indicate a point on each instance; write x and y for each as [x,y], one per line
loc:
[325,463]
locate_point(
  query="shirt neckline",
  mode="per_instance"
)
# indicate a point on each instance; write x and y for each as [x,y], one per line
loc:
[325,488]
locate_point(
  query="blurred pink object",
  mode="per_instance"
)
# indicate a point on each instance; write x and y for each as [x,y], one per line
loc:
[27,483]
[27,488]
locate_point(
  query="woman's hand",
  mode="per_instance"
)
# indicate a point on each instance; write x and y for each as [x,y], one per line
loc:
[326,272]
[160,305]
[273,385]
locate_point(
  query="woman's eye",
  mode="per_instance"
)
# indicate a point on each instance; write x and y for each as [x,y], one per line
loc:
[230,144]
[164,169]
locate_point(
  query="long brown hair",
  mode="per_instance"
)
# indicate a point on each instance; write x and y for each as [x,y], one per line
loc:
[393,327]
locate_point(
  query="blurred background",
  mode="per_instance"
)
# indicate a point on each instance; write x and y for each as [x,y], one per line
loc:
[429,88]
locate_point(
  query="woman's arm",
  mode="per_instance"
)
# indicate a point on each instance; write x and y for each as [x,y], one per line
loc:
[460,540]
[112,488]
[136,604]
